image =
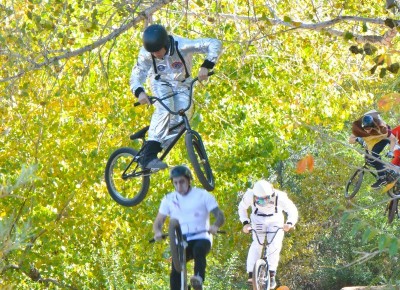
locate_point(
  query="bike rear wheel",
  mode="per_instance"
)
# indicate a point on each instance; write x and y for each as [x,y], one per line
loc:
[126,182]
[392,210]
[198,158]
[354,183]
[176,244]
[261,279]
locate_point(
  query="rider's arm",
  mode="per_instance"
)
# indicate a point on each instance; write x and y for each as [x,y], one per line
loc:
[244,204]
[210,46]
[219,217]
[352,139]
[289,207]
[140,71]
[158,224]
[393,141]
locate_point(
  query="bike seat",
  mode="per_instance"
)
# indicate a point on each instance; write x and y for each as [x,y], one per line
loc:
[139,134]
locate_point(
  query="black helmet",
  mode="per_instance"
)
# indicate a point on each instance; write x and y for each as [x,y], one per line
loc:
[180,170]
[367,122]
[155,37]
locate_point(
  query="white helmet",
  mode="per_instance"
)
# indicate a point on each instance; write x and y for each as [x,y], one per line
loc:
[263,188]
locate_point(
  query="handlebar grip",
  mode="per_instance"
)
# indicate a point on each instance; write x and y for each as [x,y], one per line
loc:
[221,232]
[211,73]
[136,104]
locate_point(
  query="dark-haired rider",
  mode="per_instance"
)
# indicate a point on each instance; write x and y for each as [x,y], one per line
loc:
[167,60]
[191,206]
[373,133]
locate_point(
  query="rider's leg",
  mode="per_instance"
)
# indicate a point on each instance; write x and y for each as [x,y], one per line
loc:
[174,279]
[274,249]
[377,163]
[158,127]
[253,255]
[150,160]
[181,100]
[198,250]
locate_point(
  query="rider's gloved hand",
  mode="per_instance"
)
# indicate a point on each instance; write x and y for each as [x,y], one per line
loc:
[203,74]
[213,229]
[246,228]
[158,236]
[361,141]
[390,154]
[143,98]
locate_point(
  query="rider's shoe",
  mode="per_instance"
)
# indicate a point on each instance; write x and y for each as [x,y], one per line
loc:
[196,282]
[149,159]
[250,280]
[156,164]
[272,281]
[379,183]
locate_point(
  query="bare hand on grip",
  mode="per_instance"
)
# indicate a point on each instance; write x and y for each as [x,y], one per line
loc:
[143,98]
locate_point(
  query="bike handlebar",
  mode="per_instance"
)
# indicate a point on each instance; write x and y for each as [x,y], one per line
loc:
[164,236]
[266,232]
[155,99]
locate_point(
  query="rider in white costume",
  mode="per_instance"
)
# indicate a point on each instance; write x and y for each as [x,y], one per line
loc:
[267,205]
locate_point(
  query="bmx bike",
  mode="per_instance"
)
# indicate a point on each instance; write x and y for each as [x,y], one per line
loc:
[261,276]
[128,182]
[178,245]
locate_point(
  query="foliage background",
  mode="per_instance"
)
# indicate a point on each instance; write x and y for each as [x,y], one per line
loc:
[282,92]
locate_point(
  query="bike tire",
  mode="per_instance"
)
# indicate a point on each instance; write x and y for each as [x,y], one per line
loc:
[199,159]
[125,191]
[392,210]
[354,183]
[176,245]
[261,278]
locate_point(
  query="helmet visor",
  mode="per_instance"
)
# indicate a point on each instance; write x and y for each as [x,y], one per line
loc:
[262,201]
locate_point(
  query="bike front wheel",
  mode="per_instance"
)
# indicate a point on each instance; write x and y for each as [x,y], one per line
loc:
[354,183]
[392,210]
[176,243]
[126,182]
[199,159]
[261,275]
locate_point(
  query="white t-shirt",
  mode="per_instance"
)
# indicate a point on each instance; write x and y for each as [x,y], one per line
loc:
[192,210]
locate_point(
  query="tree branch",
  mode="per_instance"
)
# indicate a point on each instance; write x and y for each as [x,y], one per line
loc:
[114,34]
[385,39]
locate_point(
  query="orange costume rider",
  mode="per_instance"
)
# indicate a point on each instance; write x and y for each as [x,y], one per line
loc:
[373,133]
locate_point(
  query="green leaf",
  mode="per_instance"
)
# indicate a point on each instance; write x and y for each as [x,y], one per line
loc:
[394,245]
[366,235]
[382,242]
[287,19]
[345,216]
[382,72]
[364,27]
[348,35]
[356,227]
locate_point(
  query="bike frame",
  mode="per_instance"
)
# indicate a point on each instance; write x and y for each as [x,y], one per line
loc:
[185,128]
[265,243]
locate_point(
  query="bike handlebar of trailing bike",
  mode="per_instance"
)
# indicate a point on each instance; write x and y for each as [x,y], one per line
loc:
[266,232]
[164,236]
[160,100]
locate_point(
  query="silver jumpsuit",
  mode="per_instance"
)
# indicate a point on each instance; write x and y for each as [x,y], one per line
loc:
[171,77]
